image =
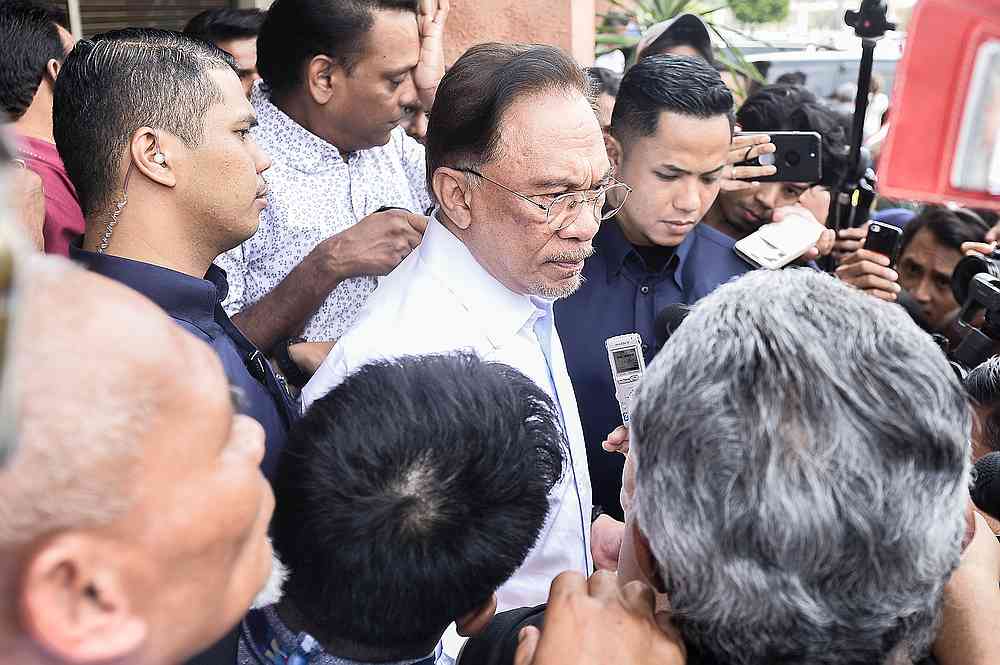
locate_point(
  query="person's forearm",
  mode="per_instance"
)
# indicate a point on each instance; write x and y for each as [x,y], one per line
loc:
[970,626]
[283,312]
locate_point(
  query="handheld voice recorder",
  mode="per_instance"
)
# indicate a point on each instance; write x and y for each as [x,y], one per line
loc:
[627,366]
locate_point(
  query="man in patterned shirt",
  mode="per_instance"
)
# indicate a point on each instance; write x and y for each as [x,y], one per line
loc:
[347,188]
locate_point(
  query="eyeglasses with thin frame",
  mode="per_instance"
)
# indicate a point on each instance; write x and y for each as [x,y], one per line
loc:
[565,208]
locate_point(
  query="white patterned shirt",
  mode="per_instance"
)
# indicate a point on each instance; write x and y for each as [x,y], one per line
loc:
[314,194]
[440,300]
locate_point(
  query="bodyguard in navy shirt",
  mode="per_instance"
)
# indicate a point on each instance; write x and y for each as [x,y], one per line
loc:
[671,133]
[196,305]
[169,178]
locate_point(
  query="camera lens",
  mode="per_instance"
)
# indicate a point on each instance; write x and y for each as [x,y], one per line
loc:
[792,158]
[969,267]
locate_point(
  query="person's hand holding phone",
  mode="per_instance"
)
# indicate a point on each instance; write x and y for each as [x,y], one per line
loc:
[745,148]
[870,272]
[826,240]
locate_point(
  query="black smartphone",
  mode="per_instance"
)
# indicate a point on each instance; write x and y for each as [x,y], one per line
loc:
[797,157]
[884,239]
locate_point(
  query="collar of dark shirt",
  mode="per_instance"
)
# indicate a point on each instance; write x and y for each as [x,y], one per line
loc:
[264,631]
[611,243]
[181,296]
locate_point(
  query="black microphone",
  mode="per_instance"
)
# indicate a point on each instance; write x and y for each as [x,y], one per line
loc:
[668,320]
[986,488]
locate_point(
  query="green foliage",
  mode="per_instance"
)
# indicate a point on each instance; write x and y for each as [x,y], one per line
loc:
[759,11]
[649,12]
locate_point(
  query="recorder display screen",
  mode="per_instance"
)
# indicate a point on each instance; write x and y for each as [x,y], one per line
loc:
[626,361]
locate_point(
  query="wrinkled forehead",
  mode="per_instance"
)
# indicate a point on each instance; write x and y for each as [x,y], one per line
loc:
[553,133]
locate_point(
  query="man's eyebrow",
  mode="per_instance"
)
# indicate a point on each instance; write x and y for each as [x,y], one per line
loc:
[715,170]
[392,73]
[675,169]
[555,184]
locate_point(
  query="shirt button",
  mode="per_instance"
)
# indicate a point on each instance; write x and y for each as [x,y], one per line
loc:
[644,290]
[645,347]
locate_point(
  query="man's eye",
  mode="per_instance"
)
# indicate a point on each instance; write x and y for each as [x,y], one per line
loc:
[666,177]
[244,133]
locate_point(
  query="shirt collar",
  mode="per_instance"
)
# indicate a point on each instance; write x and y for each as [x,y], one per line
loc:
[179,295]
[502,312]
[282,642]
[616,248]
[293,144]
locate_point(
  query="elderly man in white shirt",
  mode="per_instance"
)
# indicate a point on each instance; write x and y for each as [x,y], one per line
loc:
[517,162]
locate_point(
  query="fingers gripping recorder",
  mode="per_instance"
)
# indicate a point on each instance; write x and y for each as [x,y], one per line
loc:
[627,366]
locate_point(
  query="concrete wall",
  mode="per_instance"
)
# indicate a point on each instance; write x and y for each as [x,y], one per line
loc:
[568,24]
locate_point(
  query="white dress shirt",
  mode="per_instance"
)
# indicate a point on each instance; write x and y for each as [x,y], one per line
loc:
[315,193]
[440,300]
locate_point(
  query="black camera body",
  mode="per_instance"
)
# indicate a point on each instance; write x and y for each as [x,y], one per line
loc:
[975,284]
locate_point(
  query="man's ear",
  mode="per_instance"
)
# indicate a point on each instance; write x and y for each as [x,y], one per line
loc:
[74,602]
[324,78]
[451,188]
[614,148]
[52,69]
[144,148]
[475,621]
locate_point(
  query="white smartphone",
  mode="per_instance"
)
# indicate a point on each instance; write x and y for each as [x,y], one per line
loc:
[627,366]
[775,245]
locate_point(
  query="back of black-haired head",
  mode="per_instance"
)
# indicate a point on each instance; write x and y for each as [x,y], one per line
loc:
[123,80]
[464,130]
[983,386]
[409,493]
[792,108]
[607,81]
[29,39]
[296,31]
[951,228]
[225,23]
[679,84]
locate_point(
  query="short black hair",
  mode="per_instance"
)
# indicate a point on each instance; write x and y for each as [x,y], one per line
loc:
[983,386]
[607,81]
[122,80]
[680,84]
[792,78]
[296,31]
[225,23]
[30,40]
[950,227]
[408,494]
[776,108]
[473,97]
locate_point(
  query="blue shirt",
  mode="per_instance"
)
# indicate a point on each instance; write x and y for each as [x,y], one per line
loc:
[196,305]
[711,262]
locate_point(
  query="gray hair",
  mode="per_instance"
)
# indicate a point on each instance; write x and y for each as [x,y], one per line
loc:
[81,414]
[802,471]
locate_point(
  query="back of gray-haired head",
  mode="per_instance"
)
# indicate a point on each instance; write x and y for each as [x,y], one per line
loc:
[119,81]
[466,123]
[802,472]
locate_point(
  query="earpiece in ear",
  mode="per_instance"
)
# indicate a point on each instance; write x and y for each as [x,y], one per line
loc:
[159,158]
